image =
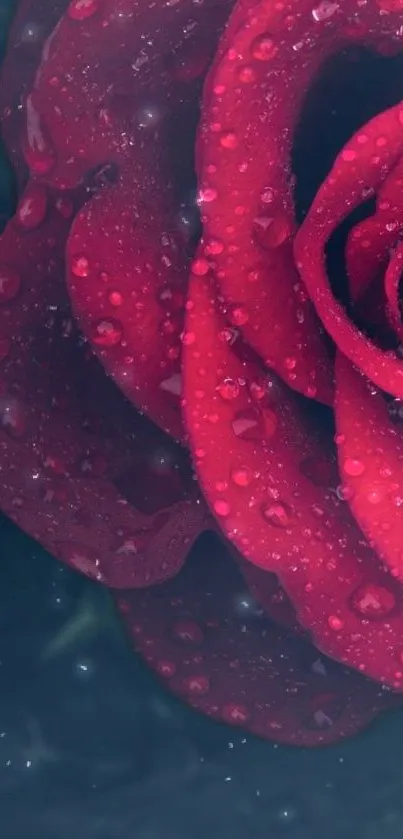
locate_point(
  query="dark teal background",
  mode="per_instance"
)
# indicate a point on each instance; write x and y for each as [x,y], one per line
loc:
[92,748]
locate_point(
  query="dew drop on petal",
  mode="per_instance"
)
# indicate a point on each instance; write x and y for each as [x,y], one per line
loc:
[222,508]
[264,48]
[80,266]
[235,713]
[228,389]
[106,332]
[335,623]
[242,476]
[31,210]
[196,685]
[353,467]
[372,601]
[278,514]
[325,10]
[82,9]
[10,282]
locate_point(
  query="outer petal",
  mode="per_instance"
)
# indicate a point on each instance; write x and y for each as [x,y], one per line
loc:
[33,22]
[81,471]
[371,464]
[253,100]
[127,57]
[236,666]
[251,449]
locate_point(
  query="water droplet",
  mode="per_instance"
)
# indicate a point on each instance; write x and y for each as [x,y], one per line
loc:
[82,9]
[353,467]
[278,514]
[264,48]
[246,74]
[325,10]
[335,622]
[237,315]
[166,668]
[196,685]
[229,140]
[80,266]
[39,152]
[228,389]
[200,267]
[115,298]
[206,196]
[188,631]
[372,601]
[242,476]
[32,208]
[10,282]
[222,508]
[106,332]
[235,713]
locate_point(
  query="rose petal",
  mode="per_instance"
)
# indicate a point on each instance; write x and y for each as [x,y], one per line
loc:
[127,280]
[371,462]
[81,471]
[33,22]
[360,163]
[130,64]
[236,666]
[279,518]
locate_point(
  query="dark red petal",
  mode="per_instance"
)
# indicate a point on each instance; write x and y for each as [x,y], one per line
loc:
[372,152]
[370,241]
[246,194]
[128,57]
[33,22]
[393,276]
[250,449]
[239,668]
[371,463]
[82,473]
[127,280]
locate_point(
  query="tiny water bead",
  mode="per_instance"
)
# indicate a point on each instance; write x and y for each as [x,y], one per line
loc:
[106,332]
[278,514]
[82,9]
[222,508]
[335,623]
[325,10]
[242,476]
[10,282]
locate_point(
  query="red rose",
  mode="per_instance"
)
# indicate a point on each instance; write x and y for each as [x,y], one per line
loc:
[122,379]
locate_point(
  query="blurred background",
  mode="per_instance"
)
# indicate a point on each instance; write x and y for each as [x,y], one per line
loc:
[92,746]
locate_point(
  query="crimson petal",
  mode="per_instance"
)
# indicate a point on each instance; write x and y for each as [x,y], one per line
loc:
[238,667]
[32,24]
[371,463]
[81,471]
[275,515]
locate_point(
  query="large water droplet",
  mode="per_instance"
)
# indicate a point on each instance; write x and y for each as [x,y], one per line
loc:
[31,210]
[228,389]
[372,601]
[353,467]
